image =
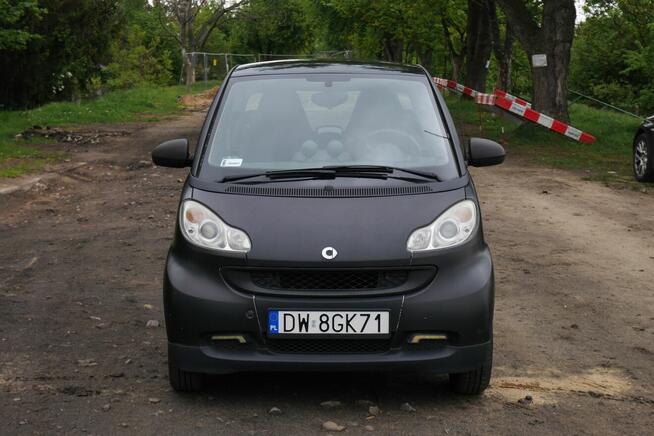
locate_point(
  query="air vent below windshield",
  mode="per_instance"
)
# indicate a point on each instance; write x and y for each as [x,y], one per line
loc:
[328,191]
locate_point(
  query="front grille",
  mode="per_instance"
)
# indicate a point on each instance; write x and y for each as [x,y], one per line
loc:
[329,346]
[323,282]
[328,280]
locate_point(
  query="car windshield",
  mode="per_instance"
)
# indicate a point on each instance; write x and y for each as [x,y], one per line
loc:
[284,122]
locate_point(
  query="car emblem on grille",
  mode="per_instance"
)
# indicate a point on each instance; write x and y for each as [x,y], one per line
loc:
[329,253]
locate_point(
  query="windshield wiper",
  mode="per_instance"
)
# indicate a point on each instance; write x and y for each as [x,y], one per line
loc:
[425,174]
[331,172]
[282,174]
[306,173]
[383,169]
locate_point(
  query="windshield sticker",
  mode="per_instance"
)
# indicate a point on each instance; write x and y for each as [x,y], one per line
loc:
[231,162]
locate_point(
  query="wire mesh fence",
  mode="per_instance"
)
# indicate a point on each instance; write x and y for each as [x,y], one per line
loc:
[211,68]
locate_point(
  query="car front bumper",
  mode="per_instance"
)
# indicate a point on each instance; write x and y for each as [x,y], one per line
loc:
[199,305]
[210,360]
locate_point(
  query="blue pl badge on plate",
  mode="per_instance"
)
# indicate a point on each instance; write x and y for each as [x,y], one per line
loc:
[273,322]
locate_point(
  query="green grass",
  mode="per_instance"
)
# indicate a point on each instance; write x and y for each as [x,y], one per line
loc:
[146,103]
[15,167]
[608,159]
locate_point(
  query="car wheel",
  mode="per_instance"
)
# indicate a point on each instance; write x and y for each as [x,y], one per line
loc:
[643,159]
[476,381]
[184,381]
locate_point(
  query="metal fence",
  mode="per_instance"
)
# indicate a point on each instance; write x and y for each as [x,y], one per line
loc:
[213,67]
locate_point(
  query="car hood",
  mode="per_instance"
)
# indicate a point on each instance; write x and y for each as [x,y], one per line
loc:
[364,231]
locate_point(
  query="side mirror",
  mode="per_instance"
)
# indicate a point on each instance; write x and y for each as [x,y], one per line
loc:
[173,154]
[484,152]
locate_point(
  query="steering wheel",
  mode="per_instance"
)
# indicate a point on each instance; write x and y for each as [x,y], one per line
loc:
[410,147]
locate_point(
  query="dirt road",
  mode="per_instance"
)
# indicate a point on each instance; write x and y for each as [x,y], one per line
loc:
[81,259]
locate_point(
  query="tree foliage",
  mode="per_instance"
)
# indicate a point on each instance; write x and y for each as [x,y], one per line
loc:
[271,27]
[137,62]
[14,35]
[196,21]
[72,44]
[614,53]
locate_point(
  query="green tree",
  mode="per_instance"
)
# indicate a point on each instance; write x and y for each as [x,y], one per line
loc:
[74,42]
[195,21]
[613,53]
[271,27]
[146,15]
[393,30]
[14,31]
[136,61]
[457,31]
[454,25]
[330,30]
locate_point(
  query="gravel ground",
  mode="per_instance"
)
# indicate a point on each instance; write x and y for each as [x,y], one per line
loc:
[81,260]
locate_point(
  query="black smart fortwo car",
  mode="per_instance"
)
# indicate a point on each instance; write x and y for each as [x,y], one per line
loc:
[329,223]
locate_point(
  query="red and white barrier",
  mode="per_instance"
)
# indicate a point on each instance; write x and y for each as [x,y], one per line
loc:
[504,94]
[480,98]
[485,99]
[543,120]
[451,84]
[519,107]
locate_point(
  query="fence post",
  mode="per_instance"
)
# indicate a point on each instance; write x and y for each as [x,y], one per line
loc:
[194,63]
[206,68]
[181,70]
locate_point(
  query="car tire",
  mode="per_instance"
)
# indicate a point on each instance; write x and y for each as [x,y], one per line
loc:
[476,381]
[185,381]
[643,158]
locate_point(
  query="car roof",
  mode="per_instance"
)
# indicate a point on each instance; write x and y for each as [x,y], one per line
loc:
[318,66]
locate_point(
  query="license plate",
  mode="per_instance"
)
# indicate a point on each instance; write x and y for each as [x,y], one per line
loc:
[294,322]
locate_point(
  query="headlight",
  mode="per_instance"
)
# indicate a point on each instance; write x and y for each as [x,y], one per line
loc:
[203,228]
[452,228]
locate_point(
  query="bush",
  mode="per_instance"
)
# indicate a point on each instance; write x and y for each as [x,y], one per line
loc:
[134,63]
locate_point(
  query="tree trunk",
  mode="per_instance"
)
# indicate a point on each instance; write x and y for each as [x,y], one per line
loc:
[189,68]
[503,50]
[393,49]
[505,62]
[187,42]
[425,55]
[457,66]
[478,47]
[552,39]
[551,82]
[457,57]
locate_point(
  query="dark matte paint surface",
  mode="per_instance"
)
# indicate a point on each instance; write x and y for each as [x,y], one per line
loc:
[173,153]
[484,152]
